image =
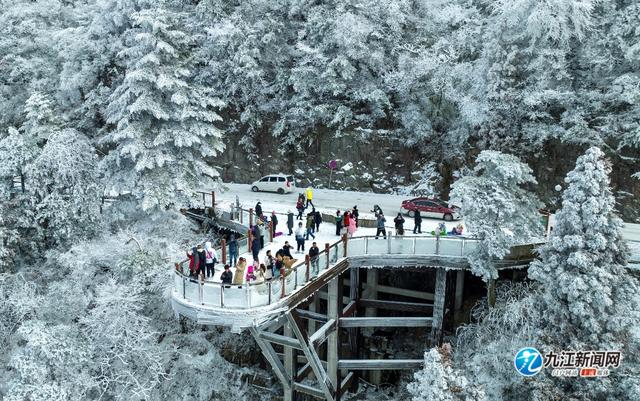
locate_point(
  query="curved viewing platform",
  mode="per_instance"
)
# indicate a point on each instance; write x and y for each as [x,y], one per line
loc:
[242,306]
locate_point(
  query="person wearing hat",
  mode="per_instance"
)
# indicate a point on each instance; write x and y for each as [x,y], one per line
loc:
[226,277]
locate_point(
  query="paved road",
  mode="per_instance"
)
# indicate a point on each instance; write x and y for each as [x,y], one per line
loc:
[328,200]
[324,199]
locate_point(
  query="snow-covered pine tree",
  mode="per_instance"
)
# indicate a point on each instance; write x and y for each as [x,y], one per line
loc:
[439,381]
[65,187]
[497,208]
[590,301]
[164,118]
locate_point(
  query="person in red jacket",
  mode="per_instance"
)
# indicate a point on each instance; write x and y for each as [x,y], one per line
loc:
[346,219]
[194,261]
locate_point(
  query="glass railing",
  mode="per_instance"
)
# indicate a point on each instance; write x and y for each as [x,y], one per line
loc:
[264,293]
[450,246]
[402,245]
[356,246]
[377,246]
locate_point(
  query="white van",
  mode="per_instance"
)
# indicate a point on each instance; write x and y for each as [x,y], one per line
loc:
[280,183]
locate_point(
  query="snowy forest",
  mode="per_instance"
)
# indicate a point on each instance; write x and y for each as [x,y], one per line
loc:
[509,104]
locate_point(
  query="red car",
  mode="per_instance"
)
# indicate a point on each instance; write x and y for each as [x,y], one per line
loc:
[432,208]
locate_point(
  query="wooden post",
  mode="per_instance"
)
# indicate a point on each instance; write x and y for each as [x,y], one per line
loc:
[249,239]
[223,244]
[213,201]
[178,268]
[314,306]
[326,250]
[290,365]
[250,217]
[344,244]
[307,263]
[491,292]
[201,289]
[282,293]
[270,231]
[334,310]
[240,215]
[372,290]
[204,200]
[438,306]
[459,295]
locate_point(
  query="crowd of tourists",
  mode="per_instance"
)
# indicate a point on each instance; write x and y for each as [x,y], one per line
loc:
[203,259]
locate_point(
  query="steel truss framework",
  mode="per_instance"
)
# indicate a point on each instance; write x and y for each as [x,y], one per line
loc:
[303,342]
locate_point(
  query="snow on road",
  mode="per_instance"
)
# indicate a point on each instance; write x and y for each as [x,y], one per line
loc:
[327,201]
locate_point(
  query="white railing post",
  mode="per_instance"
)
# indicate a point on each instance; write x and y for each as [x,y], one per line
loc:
[437,245]
[201,290]
[247,295]
[462,244]
[414,245]
[389,243]
[366,245]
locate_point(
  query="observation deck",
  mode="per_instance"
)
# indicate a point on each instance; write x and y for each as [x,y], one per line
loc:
[310,324]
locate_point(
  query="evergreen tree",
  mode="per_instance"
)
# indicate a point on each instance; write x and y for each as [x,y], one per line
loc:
[439,381]
[590,301]
[163,116]
[65,188]
[497,208]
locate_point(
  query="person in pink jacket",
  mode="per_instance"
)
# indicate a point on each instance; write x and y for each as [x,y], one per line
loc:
[352,227]
[250,271]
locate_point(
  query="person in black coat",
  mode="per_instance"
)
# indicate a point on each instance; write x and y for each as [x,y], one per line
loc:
[317,219]
[399,222]
[290,221]
[226,275]
[314,251]
[255,247]
[417,221]
[355,214]
[202,259]
[286,250]
[274,223]
[258,209]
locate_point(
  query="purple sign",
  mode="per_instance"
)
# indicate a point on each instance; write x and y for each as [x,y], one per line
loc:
[333,164]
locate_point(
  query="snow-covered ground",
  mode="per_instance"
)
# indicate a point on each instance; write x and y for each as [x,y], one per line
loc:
[330,200]
[327,201]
